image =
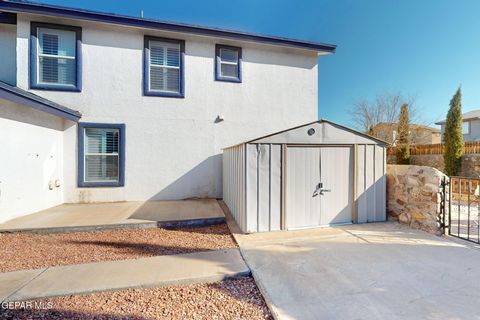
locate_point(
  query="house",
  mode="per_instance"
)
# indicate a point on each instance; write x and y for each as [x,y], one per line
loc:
[98,107]
[470,125]
[419,134]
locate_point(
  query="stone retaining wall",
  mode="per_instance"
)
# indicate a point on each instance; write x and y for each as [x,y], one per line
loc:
[413,196]
[471,166]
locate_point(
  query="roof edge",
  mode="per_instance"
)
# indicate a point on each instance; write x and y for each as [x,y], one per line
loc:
[74,13]
[29,99]
[463,119]
[366,135]
[308,124]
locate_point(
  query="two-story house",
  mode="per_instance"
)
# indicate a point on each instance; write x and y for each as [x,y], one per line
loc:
[419,134]
[470,125]
[98,107]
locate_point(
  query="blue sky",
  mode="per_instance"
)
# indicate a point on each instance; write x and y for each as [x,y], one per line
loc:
[424,49]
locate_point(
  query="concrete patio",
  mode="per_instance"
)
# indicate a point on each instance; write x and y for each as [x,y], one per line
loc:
[82,217]
[367,271]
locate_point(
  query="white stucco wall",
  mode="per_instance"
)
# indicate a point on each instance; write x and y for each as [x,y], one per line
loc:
[31,156]
[8,36]
[173,146]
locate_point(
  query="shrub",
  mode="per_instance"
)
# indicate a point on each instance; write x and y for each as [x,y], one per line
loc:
[403,137]
[453,137]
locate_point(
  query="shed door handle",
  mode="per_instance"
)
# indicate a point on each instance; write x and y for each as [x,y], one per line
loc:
[319,190]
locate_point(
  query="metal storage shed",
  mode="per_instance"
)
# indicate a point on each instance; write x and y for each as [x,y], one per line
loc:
[317,174]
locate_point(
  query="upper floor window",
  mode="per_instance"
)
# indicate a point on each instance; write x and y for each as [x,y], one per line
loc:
[55,57]
[466,127]
[228,63]
[163,69]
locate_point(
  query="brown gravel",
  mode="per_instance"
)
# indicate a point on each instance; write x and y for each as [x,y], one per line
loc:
[30,251]
[230,299]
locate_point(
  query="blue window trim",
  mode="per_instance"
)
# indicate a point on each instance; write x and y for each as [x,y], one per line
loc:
[146,68]
[81,154]
[33,57]
[218,77]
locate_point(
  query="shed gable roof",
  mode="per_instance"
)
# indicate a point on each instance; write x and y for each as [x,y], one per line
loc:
[325,132]
[29,99]
[58,11]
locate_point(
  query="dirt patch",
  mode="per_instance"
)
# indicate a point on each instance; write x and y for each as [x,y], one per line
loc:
[31,251]
[230,299]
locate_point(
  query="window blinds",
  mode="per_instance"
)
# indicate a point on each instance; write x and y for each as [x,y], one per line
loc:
[56,57]
[101,154]
[164,66]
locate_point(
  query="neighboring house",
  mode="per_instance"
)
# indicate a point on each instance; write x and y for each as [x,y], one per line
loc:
[419,134]
[470,125]
[100,107]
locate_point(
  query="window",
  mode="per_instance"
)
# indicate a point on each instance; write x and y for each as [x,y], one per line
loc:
[55,58]
[466,127]
[228,63]
[101,154]
[163,70]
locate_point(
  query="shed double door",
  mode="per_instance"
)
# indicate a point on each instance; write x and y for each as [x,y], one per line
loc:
[318,186]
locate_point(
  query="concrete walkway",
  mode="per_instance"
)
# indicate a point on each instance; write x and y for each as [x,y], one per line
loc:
[80,217]
[115,275]
[369,271]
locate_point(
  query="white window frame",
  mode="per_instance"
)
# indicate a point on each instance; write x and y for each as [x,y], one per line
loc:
[39,55]
[219,62]
[83,153]
[86,153]
[227,63]
[466,125]
[172,43]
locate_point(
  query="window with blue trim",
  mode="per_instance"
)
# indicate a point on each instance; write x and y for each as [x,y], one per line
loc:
[164,67]
[228,63]
[55,57]
[101,154]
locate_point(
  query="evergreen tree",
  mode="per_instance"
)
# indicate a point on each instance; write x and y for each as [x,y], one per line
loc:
[453,137]
[403,137]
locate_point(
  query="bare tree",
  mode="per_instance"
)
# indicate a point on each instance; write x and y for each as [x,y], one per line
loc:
[367,115]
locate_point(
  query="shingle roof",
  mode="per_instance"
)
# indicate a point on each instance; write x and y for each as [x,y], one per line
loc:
[29,99]
[58,11]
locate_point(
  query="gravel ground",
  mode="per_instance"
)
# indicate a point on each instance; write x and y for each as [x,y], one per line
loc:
[30,251]
[230,299]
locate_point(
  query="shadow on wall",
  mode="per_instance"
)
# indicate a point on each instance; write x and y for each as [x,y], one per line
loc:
[207,176]
[203,181]
[252,53]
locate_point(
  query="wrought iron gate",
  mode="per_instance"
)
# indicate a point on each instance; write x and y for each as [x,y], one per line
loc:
[460,208]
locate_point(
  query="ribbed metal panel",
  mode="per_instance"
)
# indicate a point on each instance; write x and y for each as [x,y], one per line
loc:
[263,187]
[234,183]
[307,166]
[371,183]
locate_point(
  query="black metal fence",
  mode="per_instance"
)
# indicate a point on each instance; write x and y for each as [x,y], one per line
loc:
[461,208]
